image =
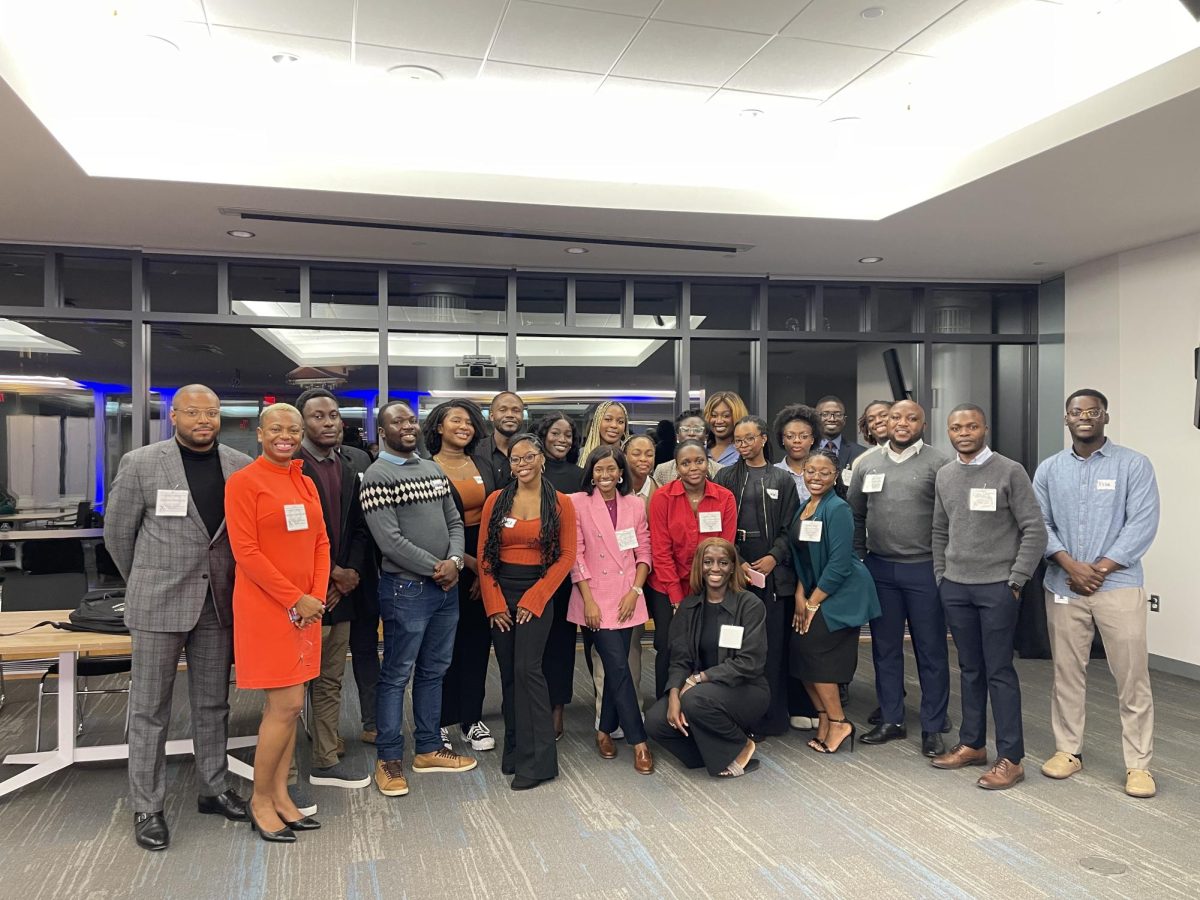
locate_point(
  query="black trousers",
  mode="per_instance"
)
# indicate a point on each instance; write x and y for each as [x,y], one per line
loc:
[718,718]
[662,611]
[619,705]
[466,679]
[983,621]
[775,719]
[364,649]
[558,661]
[529,748]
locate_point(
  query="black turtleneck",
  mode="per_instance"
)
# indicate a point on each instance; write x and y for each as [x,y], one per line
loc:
[206,482]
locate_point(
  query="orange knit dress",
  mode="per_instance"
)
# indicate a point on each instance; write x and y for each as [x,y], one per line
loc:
[275,567]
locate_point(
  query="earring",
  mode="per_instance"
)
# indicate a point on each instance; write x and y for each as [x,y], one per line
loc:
[593,482]
[621,480]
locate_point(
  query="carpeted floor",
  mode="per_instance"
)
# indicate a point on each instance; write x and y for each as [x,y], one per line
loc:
[876,822]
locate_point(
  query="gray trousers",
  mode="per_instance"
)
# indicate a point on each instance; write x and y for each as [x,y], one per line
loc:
[209,648]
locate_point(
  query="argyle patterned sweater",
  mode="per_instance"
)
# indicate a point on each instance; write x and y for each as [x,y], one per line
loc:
[411,513]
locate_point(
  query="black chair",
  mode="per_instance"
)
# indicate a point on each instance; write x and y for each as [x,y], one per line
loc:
[61,591]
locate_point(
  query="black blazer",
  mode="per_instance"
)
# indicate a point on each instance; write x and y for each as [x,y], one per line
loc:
[483,464]
[495,460]
[847,453]
[355,547]
[734,668]
[777,515]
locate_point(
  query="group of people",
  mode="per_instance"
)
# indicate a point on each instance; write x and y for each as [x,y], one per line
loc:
[757,576]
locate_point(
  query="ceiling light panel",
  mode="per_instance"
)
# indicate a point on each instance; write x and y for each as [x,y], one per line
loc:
[801,68]
[687,54]
[244,47]
[380,59]
[454,27]
[560,37]
[842,22]
[761,16]
[331,19]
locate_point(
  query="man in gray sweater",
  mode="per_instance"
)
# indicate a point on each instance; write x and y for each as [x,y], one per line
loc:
[407,503]
[988,535]
[892,499]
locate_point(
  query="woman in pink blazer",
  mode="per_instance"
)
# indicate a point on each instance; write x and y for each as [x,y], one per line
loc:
[611,564]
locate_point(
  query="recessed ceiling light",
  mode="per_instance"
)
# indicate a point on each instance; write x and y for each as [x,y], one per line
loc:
[870,260]
[576,250]
[416,73]
[240,234]
[872,12]
[752,113]
[285,59]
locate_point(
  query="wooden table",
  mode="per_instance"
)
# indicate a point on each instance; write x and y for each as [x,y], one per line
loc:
[34,516]
[46,642]
[50,534]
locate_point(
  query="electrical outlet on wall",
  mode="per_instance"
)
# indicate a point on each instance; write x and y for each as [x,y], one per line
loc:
[1154,603]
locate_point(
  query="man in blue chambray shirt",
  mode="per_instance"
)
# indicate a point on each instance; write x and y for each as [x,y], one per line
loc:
[1100,503]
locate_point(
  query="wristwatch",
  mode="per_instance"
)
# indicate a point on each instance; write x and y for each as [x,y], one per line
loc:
[1014,587]
[458,562]
[637,590]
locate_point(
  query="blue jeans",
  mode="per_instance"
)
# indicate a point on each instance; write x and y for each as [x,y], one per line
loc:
[419,621]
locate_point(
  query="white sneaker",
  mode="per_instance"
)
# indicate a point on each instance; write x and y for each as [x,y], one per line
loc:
[480,737]
[618,734]
[446,739]
[803,723]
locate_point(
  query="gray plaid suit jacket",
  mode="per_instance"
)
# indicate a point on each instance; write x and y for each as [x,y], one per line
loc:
[169,562]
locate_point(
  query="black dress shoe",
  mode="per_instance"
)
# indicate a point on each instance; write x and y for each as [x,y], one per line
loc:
[932,744]
[227,804]
[524,783]
[883,733]
[876,717]
[284,835]
[150,831]
[308,823]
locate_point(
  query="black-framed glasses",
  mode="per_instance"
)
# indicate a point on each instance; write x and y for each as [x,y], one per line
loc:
[528,458]
[746,441]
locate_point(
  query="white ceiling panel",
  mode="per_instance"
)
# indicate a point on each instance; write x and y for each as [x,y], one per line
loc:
[451,68]
[455,27]
[257,47]
[561,37]
[665,92]
[687,54]
[560,80]
[761,16]
[640,8]
[970,16]
[316,18]
[899,83]
[841,22]
[772,105]
[802,68]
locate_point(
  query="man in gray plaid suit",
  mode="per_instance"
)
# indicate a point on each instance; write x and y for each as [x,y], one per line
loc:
[165,527]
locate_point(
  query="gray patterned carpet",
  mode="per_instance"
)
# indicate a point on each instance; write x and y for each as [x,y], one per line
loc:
[878,822]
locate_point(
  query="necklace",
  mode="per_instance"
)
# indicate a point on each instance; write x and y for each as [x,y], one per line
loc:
[442,462]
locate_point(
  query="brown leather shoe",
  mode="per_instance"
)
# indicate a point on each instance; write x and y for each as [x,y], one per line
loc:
[960,756]
[604,743]
[643,761]
[1002,775]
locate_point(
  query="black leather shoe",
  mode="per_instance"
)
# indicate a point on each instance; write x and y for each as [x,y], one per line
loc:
[932,744]
[883,733]
[876,717]
[284,835]
[308,823]
[227,804]
[150,831]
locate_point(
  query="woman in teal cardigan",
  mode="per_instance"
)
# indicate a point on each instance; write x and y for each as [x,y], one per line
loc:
[835,596]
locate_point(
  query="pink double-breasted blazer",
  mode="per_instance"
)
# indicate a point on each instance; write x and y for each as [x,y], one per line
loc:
[608,570]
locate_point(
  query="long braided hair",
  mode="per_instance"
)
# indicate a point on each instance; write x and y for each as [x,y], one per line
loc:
[550,519]
[592,441]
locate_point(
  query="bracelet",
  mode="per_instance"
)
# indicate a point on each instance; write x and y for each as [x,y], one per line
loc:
[812,608]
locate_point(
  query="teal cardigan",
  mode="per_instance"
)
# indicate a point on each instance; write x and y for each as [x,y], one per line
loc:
[832,565]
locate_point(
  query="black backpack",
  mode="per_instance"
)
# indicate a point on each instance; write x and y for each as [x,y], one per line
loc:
[102,611]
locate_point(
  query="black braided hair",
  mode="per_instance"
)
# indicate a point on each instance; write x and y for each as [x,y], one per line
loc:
[838,487]
[551,521]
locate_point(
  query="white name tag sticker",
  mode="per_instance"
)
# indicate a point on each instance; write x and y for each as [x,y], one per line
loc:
[773,493]
[710,521]
[1059,598]
[873,483]
[731,637]
[983,499]
[171,503]
[479,479]
[510,523]
[1106,484]
[626,539]
[296,516]
[810,530]
[847,475]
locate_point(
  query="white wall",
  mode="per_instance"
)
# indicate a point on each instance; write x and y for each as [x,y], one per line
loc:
[1132,322]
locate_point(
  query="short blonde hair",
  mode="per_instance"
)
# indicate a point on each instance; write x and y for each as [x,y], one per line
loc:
[737,580]
[736,405]
[278,407]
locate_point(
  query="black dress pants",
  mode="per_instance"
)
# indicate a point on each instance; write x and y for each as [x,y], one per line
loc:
[662,611]
[775,720]
[466,679]
[364,647]
[718,718]
[529,748]
[619,705]
[558,661]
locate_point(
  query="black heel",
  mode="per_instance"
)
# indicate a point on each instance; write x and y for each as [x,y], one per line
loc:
[814,743]
[284,835]
[849,737]
[308,823]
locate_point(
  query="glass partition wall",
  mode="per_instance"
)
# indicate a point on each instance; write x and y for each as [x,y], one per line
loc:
[93,344]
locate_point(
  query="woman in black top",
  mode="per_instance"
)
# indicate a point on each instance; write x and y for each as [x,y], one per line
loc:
[561,439]
[716,688]
[766,504]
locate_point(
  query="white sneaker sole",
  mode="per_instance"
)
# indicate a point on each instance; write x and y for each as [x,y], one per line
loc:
[487,743]
[347,783]
[425,769]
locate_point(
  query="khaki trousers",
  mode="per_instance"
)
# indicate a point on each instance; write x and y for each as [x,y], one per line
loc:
[635,669]
[1121,617]
[327,694]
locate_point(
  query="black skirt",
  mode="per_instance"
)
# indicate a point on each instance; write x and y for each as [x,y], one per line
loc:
[823,656]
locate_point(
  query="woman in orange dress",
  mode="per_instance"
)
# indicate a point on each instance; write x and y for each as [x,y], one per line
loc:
[277,532]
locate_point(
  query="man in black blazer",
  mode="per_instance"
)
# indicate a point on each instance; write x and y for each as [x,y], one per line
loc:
[832,412]
[336,471]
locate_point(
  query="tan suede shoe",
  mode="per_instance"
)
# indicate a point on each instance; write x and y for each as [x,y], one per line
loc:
[1139,783]
[1062,765]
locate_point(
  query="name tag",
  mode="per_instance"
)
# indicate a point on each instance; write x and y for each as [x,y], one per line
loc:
[479,479]
[710,521]
[1106,484]
[731,637]
[773,493]
[983,499]
[626,539]
[1059,598]
[873,484]
[171,503]
[810,530]
[296,516]
[847,474]
[510,523]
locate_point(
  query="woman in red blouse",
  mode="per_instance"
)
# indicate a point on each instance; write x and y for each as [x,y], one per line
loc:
[526,548]
[682,513]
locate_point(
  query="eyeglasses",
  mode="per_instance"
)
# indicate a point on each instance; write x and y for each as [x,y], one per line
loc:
[192,413]
[527,459]
[832,416]
[1095,412]
[691,430]
[745,441]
